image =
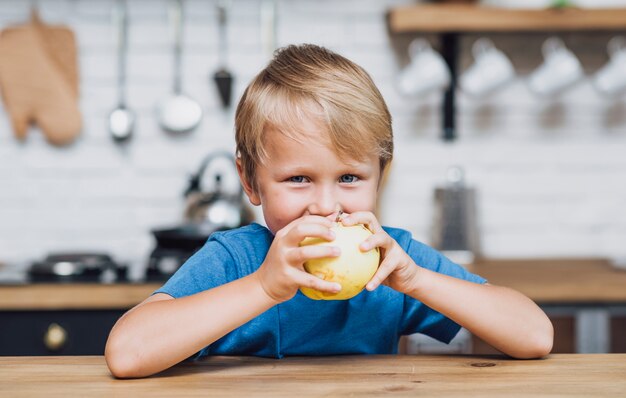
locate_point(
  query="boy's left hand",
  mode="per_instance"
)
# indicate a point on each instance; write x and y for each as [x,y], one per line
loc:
[397,269]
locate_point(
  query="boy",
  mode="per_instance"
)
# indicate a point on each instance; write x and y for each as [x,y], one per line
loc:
[313,139]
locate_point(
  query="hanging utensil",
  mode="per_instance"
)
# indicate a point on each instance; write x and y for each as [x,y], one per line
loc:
[121,119]
[222,77]
[178,113]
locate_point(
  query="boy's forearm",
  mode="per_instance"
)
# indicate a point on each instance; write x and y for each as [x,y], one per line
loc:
[503,317]
[157,335]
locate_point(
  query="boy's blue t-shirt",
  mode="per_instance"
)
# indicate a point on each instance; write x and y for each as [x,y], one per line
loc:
[369,323]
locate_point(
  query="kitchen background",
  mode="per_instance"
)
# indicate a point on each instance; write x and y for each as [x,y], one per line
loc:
[549,173]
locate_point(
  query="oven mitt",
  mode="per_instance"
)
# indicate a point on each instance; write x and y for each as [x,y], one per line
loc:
[39,80]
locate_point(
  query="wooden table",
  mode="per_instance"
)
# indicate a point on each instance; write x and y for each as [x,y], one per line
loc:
[567,375]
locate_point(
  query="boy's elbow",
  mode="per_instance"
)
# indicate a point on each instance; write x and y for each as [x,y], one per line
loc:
[539,344]
[119,366]
[122,364]
[544,340]
[540,348]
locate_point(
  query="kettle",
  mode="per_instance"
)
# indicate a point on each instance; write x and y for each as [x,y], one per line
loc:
[455,230]
[218,208]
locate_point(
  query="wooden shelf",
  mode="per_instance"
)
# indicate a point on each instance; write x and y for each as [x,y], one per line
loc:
[468,18]
[449,21]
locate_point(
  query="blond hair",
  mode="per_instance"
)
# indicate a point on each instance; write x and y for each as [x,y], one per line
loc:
[309,81]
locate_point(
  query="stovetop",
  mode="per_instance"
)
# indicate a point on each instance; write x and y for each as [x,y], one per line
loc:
[62,268]
[69,267]
[21,277]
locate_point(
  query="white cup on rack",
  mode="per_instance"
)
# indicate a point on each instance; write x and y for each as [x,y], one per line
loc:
[610,80]
[426,72]
[560,69]
[491,70]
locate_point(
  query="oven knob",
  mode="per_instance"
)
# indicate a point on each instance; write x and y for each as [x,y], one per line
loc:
[55,337]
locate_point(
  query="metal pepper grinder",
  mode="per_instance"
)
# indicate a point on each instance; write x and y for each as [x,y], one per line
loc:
[455,229]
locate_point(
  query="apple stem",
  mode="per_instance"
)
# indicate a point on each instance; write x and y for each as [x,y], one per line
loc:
[338,219]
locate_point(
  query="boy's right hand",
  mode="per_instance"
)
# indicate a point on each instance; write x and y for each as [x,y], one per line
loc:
[282,272]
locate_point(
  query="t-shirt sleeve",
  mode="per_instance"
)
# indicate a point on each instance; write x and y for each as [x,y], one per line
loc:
[419,318]
[209,267]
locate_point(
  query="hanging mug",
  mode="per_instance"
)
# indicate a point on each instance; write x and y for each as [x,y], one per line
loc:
[491,70]
[610,80]
[559,71]
[426,72]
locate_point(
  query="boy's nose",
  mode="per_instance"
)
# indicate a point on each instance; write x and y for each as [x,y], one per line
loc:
[324,204]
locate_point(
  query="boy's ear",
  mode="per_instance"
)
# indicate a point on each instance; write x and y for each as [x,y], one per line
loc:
[253,197]
[384,175]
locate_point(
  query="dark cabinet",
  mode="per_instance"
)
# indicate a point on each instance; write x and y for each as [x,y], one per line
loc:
[67,332]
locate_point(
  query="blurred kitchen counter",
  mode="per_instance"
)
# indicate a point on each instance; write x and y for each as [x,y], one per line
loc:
[67,318]
[74,296]
[546,281]
[584,298]
[558,281]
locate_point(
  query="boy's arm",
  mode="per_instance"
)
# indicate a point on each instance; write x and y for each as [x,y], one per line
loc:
[161,331]
[502,317]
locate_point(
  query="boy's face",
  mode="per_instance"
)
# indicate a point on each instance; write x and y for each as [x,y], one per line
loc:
[306,177]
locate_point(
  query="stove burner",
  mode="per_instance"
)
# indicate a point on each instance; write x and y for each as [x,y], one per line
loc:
[174,246]
[77,267]
[164,262]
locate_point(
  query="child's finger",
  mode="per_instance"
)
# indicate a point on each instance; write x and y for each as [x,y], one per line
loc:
[304,253]
[309,219]
[313,282]
[303,230]
[377,240]
[316,219]
[362,217]
[381,274]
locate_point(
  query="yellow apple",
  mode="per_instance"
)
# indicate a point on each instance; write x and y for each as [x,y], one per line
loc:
[352,269]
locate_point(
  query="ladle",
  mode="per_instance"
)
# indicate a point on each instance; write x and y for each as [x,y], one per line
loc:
[223,78]
[121,119]
[179,113]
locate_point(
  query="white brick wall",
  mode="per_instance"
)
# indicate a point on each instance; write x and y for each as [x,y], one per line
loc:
[550,175]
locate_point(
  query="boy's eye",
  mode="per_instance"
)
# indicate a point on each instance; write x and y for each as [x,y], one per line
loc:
[297,179]
[348,178]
